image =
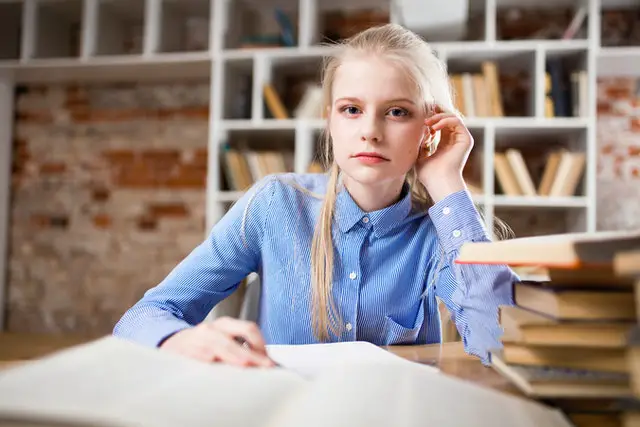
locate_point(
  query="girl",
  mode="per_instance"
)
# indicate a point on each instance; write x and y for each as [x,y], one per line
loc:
[359,253]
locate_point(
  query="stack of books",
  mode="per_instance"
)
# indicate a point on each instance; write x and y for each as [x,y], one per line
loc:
[568,336]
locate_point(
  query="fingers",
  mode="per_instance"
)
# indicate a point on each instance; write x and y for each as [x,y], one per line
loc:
[446,122]
[229,351]
[430,121]
[244,329]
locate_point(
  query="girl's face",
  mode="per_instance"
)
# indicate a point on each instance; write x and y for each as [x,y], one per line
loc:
[376,121]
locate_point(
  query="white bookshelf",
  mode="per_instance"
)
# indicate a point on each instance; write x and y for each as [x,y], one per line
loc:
[35,48]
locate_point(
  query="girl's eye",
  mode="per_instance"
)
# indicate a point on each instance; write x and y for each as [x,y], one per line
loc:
[350,109]
[398,112]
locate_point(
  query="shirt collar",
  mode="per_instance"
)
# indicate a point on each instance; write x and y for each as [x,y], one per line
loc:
[348,213]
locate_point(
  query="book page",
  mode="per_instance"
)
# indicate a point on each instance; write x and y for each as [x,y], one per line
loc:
[404,395]
[112,382]
[311,360]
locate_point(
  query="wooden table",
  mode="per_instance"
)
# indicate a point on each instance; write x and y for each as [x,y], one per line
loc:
[452,360]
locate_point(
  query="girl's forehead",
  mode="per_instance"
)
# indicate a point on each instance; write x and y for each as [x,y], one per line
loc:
[376,77]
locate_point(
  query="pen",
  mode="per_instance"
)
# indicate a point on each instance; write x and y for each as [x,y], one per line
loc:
[245,344]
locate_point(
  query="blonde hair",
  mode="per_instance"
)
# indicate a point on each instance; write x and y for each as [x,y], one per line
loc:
[428,73]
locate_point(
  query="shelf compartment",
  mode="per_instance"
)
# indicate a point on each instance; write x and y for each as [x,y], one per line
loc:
[473,82]
[247,156]
[296,82]
[238,96]
[58,29]
[336,20]
[523,20]
[10,29]
[543,220]
[547,164]
[618,23]
[184,26]
[120,28]
[261,24]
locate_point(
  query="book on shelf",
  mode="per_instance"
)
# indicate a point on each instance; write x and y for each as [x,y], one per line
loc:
[560,177]
[274,103]
[113,382]
[242,167]
[566,92]
[478,94]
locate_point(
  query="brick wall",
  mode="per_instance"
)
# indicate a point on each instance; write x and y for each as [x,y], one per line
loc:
[108,195]
[618,154]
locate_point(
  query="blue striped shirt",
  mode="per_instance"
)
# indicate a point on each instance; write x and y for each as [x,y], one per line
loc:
[390,265]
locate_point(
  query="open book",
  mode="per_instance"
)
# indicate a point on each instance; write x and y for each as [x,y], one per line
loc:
[114,383]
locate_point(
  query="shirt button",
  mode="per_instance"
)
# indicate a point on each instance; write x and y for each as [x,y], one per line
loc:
[456,233]
[348,326]
[446,210]
[353,275]
[365,219]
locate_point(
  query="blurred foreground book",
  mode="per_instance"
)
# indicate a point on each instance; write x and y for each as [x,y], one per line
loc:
[114,383]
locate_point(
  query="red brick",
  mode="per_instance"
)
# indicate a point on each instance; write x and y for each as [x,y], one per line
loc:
[634,124]
[618,92]
[41,221]
[120,156]
[201,112]
[200,158]
[168,210]
[607,149]
[102,221]
[100,194]
[194,112]
[136,177]
[79,114]
[604,107]
[53,168]
[147,223]
[39,117]
[188,177]
[164,156]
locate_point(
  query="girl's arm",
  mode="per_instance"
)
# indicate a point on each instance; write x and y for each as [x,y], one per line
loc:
[472,293]
[211,272]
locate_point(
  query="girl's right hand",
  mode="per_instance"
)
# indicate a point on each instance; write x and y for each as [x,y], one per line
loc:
[217,341]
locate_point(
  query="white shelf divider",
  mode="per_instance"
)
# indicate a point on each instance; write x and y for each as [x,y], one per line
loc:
[490,21]
[152,23]
[29,29]
[308,23]
[90,16]
[7,102]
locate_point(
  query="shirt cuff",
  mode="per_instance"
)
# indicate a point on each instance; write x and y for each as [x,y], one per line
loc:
[457,221]
[157,330]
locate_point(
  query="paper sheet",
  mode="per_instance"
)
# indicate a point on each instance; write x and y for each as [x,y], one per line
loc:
[310,360]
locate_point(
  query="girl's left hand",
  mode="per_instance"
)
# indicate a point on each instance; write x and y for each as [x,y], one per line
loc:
[441,172]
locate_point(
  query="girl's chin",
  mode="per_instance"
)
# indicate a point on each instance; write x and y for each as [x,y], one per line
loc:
[371,176]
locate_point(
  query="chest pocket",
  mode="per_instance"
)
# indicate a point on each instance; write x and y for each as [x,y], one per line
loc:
[397,333]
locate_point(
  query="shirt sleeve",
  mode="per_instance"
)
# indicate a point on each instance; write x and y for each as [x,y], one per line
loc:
[211,272]
[471,292]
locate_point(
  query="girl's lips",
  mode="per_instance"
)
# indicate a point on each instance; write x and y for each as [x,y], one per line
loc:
[370,158]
